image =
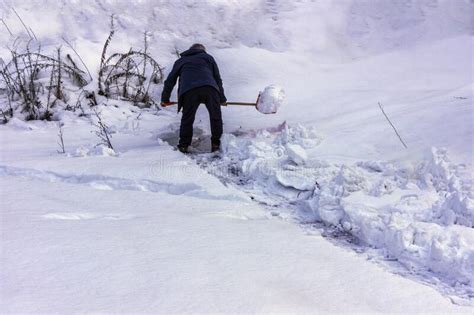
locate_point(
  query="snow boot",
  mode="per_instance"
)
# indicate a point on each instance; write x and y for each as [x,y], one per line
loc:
[215,147]
[183,148]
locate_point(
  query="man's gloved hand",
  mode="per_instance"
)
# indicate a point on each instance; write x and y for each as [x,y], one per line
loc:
[223,103]
[164,104]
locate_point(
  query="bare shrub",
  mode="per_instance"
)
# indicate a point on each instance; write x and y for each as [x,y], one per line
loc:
[128,76]
[61,138]
[21,78]
[102,130]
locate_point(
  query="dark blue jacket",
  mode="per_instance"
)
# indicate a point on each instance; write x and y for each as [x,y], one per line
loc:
[195,69]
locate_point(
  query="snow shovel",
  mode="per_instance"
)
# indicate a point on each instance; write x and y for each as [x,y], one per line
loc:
[267,102]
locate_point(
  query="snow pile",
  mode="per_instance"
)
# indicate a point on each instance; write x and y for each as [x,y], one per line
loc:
[270,157]
[98,150]
[270,99]
[454,184]
[421,216]
[296,153]
[391,209]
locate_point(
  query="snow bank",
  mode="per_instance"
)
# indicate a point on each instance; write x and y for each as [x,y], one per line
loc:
[421,216]
[341,27]
[397,211]
[270,99]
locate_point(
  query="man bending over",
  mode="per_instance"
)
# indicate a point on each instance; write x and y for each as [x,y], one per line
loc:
[199,82]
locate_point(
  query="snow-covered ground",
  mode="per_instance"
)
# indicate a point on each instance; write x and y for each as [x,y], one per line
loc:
[148,230]
[317,208]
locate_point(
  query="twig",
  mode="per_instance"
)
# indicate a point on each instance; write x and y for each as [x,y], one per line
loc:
[395,129]
[176,52]
[51,79]
[127,74]
[34,35]
[24,25]
[9,85]
[78,56]
[5,119]
[33,65]
[145,44]
[102,131]
[61,139]
[6,26]
[104,52]
[58,86]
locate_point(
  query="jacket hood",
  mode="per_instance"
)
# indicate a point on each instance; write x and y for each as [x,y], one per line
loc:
[191,52]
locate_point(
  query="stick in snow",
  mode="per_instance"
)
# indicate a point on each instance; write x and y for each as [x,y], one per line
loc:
[23,23]
[61,139]
[82,61]
[6,26]
[395,129]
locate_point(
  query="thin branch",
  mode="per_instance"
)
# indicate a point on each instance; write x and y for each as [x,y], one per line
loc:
[24,25]
[61,138]
[176,52]
[78,56]
[51,79]
[6,26]
[34,35]
[5,119]
[58,86]
[145,44]
[395,129]
[102,131]
[104,52]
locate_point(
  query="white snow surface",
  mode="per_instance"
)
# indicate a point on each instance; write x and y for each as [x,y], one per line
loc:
[317,208]
[147,230]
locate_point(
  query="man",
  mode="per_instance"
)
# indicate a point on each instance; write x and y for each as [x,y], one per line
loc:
[199,82]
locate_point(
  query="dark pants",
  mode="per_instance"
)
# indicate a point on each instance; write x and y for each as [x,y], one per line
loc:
[190,102]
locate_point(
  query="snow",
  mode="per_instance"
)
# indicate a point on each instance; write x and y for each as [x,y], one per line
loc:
[316,208]
[20,124]
[270,99]
[100,150]
[296,153]
[420,215]
[150,231]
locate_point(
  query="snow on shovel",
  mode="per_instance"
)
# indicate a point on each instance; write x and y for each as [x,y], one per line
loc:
[268,101]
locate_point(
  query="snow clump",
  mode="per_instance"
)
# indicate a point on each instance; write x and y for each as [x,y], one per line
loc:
[270,99]
[98,150]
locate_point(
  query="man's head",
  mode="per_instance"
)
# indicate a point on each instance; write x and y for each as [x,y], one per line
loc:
[198,46]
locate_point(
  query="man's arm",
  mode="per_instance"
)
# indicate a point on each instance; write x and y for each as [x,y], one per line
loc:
[170,82]
[217,77]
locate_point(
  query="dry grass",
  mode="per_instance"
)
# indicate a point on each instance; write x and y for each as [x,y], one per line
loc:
[21,78]
[128,76]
